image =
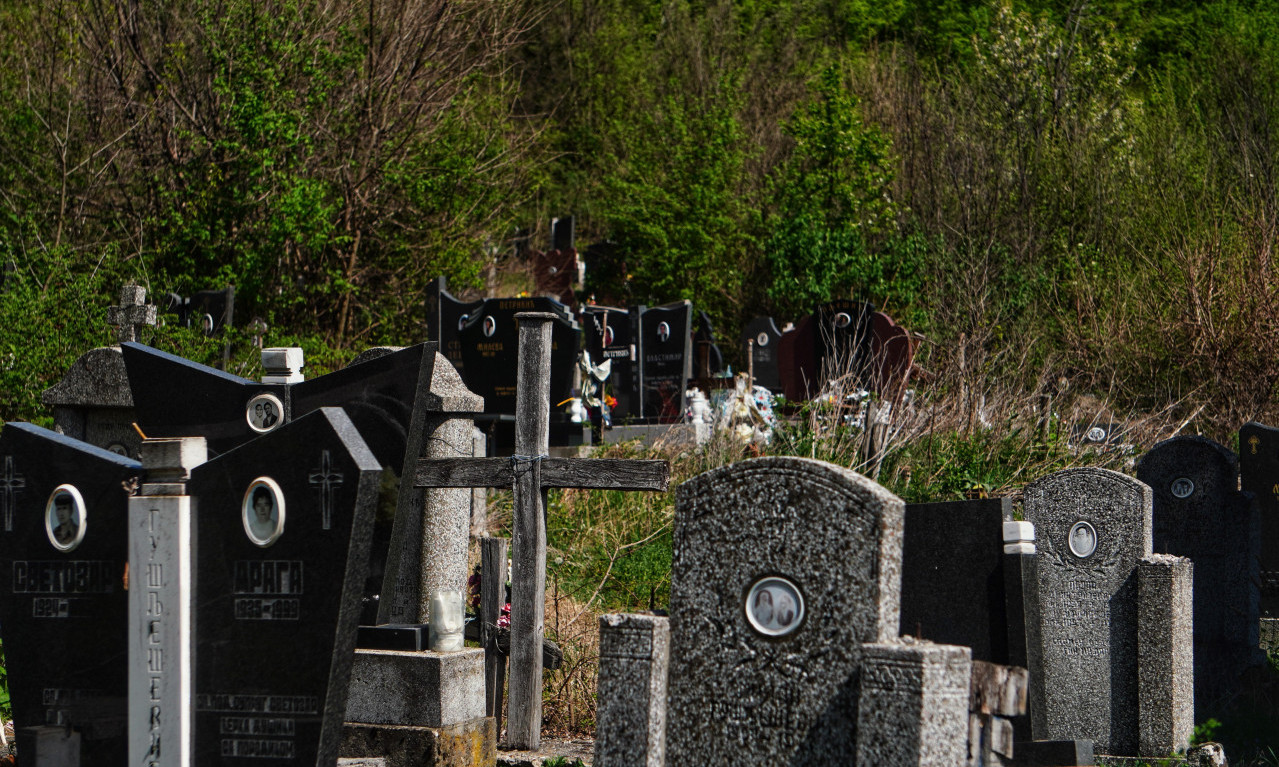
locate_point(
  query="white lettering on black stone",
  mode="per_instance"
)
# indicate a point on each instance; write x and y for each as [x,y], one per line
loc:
[63,577]
[268,609]
[261,749]
[270,577]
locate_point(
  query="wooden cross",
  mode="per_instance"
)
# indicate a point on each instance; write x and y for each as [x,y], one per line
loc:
[12,484]
[325,480]
[132,314]
[530,472]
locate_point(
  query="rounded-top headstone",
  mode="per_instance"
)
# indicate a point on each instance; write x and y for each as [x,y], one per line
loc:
[782,568]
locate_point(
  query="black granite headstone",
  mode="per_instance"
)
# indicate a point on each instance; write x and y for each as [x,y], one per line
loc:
[764,351]
[445,316]
[1200,514]
[490,351]
[953,589]
[704,333]
[184,398]
[283,536]
[610,334]
[666,356]
[209,310]
[1259,475]
[63,607]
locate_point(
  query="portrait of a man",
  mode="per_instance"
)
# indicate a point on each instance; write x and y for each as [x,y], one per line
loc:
[1083,539]
[64,518]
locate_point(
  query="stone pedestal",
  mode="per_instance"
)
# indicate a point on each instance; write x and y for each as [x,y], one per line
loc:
[49,746]
[424,709]
[425,689]
[913,709]
[630,726]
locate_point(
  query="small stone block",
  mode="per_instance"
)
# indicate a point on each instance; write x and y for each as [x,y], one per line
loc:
[1001,736]
[179,455]
[1055,753]
[282,364]
[49,746]
[409,637]
[466,744]
[372,761]
[1019,532]
[913,706]
[420,689]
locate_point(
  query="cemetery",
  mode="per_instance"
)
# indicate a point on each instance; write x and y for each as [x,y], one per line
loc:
[203,568]
[564,384]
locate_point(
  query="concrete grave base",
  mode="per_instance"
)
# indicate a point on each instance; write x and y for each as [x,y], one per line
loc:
[468,744]
[418,689]
[49,745]
[665,435]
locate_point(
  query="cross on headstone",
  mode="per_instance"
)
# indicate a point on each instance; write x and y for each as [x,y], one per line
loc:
[530,472]
[325,480]
[11,483]
[132,313]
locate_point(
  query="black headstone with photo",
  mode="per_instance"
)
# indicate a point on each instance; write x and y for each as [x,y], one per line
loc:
[209,310]
[611,334]
[445,316]
[63,607]
[283,529]
[490,350]
[761,340]
[666,357]
[834,342]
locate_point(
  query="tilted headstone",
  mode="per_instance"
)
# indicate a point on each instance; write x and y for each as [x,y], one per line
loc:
[763,339]
[445,316]
[63,549]
[1091,676]
[279,571]
[666,359]
[784,615]
[1259,475]
[610,334]
[1200,514]
[490,351]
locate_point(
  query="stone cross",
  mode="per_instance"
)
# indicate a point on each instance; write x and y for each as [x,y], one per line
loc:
[132,313]
[530,472]
[11,484]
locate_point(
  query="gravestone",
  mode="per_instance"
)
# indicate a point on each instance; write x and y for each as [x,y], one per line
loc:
[92,402]
[666,360]
[280,563]
[1107,667]
[706,353]
[445,316]
[761,339]
[832,342]
[1200,514]
[63,549]
[1259,475]
[784,614]
[630,728]
[209,310]
[892,357]
[954,588]
[610,334]
[490,350]
[406,403]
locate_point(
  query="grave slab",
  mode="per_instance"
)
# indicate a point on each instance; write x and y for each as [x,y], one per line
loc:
[630,728]
[424,689]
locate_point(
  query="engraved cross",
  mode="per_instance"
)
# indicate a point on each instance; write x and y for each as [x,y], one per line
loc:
[11,484]
[325,480]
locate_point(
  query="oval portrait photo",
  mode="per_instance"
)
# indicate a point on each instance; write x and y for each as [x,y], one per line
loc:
[774,606]
[64,518]
[1083,540]
[264,412]
[263,512]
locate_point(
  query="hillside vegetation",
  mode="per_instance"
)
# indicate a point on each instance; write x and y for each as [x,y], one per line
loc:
[1044,190]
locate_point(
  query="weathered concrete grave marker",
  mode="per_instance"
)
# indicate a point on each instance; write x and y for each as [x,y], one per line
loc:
[530,472]
[1114,657]
[1259,475]
[133,314]
[1200,514]
[62,597]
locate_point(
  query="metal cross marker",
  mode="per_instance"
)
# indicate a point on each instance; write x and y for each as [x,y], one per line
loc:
[132,314]
[325,480]
[11,484]
[530,472]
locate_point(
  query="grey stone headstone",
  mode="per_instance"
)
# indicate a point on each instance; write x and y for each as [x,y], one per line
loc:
[630,728]
[783,685]
[1092,528]
[898,681]
[93,403]
[1199,513]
